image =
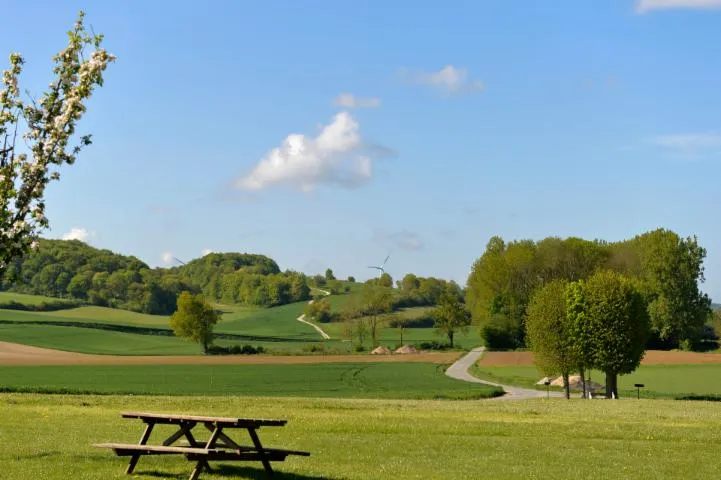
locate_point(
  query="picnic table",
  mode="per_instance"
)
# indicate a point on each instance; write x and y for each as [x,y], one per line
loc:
[218,446]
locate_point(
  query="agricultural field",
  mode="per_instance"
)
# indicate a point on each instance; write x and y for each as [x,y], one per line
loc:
[339,380]
[7,297]
[101,330]
[370,439]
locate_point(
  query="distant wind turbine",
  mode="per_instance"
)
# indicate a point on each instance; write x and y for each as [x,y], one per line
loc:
[381,269]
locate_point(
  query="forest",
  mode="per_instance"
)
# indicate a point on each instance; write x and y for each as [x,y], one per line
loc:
[665,268]
[74,270]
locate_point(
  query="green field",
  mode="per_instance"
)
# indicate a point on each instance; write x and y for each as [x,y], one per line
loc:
[660,380]
[6,297]
[338,380]
[378,439]
[102,330]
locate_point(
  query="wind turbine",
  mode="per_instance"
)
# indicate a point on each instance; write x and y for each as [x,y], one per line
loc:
[381,268]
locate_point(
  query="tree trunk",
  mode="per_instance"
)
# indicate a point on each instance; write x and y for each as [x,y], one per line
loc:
[611,385]
[583,380]
[401,335]
[450,337]
[566,386]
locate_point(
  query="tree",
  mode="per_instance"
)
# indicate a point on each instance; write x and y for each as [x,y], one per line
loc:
[385,280]
[548,330]
[329,274]
[579,330]
[451,317]
[46,128]
[376,301]
[318,310]
[194,319]
[672,268]
[351,279]
[616,314]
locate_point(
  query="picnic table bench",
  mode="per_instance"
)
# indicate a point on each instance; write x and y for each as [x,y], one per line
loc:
[219,445]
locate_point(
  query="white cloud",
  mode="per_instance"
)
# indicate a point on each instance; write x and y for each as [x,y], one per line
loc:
[688,141]
[207,251]
[689,144]
[348,100]
[337,156]
[78,233]
[449,79]
[643,6]
[403,239]
[167,258]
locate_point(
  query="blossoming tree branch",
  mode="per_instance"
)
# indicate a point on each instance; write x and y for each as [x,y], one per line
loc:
[37,136]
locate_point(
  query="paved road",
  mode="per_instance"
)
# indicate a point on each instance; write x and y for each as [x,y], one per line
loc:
[459,371]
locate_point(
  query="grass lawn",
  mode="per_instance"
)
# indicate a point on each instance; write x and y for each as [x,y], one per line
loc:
[378,439]
[659,380]
[342,380]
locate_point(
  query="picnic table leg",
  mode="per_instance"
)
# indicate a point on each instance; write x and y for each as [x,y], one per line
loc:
[261,452]
[143,440]
[203,463]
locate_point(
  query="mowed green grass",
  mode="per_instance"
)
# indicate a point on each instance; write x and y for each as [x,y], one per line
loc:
[659,380]
[51,438]
[340,380]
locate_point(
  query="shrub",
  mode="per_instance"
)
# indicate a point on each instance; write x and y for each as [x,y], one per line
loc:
[433,345]
[235,350]
[314,348]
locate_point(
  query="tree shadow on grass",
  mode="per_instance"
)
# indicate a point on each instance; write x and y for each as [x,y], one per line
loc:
[232,471]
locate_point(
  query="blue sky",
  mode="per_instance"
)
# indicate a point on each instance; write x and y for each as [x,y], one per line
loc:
[328,134]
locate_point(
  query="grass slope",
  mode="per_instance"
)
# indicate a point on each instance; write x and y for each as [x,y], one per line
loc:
[659,380]
[372,439]
[341,380]
[25,299]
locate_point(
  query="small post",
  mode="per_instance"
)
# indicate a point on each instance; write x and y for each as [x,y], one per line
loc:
[548,388]
[638,386]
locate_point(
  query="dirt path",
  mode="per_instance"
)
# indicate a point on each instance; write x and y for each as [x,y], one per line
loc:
[318,329]
[16,354]
[459,371]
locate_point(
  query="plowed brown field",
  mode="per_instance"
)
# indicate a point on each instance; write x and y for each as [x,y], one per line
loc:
[653,357]
[16,354]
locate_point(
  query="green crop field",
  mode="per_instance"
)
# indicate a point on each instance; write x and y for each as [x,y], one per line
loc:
[371,439]
[339,380]
[659,380]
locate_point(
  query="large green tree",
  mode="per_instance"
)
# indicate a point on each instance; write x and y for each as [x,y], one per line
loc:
[615,313]
[451,317]
[672,268]
[38,136]
[548,330]
[194,319]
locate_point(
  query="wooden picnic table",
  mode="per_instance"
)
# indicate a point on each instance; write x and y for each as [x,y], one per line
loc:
[219,446]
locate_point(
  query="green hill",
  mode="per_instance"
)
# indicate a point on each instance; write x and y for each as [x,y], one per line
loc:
[81,274]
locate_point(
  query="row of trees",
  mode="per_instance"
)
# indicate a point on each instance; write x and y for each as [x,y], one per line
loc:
[665,269]
[600,323]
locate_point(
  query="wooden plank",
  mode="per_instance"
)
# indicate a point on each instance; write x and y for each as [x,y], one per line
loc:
[261,453]
[150,449]
[225,421]
[143,440]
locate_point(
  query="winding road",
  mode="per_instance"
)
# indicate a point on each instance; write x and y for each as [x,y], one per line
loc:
[459,371]
[303,320]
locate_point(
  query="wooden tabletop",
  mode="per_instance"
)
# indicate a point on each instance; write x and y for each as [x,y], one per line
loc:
[222,421]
